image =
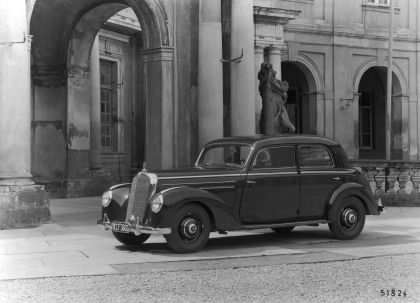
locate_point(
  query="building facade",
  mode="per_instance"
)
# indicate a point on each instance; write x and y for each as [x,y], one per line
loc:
[91,89]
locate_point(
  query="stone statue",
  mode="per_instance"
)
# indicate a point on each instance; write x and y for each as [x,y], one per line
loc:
[274,118]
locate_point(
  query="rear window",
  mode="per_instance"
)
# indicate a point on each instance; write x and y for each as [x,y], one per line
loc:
[314,156]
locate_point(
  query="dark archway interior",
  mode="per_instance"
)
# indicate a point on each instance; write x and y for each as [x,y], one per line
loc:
[372,113]
[297,101]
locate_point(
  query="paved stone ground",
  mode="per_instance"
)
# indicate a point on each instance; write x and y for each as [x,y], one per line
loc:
[73,245]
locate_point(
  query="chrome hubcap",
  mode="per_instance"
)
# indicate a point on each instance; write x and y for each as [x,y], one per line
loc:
[349,217]
[190,229]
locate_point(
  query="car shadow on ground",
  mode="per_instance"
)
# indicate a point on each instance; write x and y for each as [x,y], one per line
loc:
[263,241]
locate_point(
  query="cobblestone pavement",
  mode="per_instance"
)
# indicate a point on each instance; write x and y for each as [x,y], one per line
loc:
[359,280]
[74,260]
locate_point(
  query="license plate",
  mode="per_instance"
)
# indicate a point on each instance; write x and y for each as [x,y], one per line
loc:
[120,227]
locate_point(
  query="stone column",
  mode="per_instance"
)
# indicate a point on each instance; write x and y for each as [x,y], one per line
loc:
[210,72]
[274,57]
[258,59]
[242,82]
[95,108]
[21,202]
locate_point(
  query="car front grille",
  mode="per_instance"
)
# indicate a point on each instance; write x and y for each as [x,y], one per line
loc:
[141,190]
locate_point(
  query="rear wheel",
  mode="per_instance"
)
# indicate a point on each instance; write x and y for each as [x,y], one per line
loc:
[347,218]
[131,238]
[283,230]
[190,229]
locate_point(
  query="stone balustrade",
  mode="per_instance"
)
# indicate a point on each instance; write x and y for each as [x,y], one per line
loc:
[397,183]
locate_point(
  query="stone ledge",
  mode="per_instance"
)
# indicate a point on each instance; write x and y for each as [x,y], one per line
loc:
[399,200]
[23,206]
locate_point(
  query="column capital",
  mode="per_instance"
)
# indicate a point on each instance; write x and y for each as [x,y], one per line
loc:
[274,50]
[258,48]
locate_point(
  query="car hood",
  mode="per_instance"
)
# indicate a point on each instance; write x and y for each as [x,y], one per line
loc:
[194,172]
[194,175]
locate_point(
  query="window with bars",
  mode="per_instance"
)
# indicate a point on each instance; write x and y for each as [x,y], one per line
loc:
[108,71]
[366,120]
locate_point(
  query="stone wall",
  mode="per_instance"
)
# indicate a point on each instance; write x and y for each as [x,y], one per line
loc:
[22,206]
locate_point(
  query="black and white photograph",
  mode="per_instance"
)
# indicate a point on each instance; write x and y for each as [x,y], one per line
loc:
[209,151]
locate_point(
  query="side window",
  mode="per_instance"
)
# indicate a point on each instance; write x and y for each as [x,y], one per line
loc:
[275,157]
[311,156]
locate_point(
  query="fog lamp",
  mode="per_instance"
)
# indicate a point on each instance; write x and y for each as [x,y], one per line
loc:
[156,203]
[106,198]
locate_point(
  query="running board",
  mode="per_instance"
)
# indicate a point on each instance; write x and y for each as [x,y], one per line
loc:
[263,226]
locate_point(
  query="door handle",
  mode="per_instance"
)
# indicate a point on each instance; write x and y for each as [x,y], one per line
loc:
[251,182]
[337,178]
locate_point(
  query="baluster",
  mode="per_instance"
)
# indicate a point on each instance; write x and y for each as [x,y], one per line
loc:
[380,178]
[415,178]
[391,180]
[370,174]
[403,178]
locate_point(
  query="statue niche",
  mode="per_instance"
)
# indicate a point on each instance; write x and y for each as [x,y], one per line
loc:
[274,118]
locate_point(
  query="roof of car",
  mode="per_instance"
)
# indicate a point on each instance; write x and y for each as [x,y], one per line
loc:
[262,140]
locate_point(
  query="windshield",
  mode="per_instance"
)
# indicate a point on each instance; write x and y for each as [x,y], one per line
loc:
[231,155]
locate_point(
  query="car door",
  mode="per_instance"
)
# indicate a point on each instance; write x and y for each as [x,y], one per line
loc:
[271,190]
[318,178]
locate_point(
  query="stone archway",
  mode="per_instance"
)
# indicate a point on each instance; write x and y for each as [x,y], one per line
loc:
[305,103]
[64,32]
[371,86]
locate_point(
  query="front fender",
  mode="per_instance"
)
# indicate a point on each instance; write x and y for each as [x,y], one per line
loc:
[174,198]
[117,208]
[357,190]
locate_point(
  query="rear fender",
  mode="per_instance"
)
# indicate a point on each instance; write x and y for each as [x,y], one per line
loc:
[355,190]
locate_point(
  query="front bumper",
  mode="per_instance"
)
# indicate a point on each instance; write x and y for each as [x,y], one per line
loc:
[136,228]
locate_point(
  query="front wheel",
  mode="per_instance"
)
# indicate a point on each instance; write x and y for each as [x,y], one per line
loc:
[131,238]
[347,218]
[190,229]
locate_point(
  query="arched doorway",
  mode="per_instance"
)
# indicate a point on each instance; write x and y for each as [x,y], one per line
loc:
[372,115]
[64,33]
[302,97]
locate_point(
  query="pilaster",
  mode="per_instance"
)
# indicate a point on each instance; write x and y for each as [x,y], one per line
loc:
[242,72]
[158,73]
[210,72]
[95,108]
[22,202]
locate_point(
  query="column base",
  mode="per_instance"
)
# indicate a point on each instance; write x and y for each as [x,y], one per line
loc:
[23,205]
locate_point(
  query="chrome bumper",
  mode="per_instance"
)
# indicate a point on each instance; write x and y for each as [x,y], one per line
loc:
[136,228]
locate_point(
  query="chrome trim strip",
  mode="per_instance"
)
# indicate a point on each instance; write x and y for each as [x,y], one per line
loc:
[310,172]
[276,173]
[201,176]
[216,187]
[153,230]
[169,189]
[263,226]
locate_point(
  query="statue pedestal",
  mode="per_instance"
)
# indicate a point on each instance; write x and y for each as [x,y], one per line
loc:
[23,204]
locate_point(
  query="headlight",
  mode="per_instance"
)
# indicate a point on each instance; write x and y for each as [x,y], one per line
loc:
[106,198]
[156,203]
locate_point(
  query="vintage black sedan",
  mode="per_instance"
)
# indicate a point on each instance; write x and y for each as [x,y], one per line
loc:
[243,183]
